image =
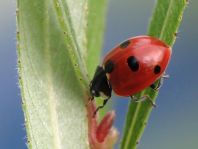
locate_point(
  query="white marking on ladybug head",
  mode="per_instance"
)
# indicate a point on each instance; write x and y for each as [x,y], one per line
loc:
[93,92]
[103,95]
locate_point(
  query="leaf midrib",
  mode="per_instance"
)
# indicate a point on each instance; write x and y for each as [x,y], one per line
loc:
[51,93]
[165,20]
[132,127]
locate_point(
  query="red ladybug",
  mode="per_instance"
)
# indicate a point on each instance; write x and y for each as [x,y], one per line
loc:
[131,67]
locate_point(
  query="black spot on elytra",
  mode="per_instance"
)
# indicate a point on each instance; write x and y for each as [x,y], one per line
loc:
[133,63]
[109,66]
[125,44]
[157,69]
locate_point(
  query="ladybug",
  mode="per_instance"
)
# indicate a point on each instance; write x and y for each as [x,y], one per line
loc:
[131,67]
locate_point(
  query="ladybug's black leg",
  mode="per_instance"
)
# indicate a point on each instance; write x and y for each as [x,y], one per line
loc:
[158,84]
[143,98]
[100,107]
[90,100]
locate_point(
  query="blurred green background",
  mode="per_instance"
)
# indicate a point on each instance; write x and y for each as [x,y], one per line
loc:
[172,125]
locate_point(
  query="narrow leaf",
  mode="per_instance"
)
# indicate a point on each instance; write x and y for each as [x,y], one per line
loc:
[164,25]
[95,31]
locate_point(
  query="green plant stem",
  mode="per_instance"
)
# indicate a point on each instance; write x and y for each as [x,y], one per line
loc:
[164,24]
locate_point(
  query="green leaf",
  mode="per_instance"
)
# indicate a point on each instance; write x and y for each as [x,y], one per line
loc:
[95,31]
[52,41]
[164,25]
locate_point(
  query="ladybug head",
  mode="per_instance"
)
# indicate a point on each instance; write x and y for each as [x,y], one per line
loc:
[99,85]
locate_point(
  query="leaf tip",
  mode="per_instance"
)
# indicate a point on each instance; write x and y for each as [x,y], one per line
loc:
[102,135]
[105,125]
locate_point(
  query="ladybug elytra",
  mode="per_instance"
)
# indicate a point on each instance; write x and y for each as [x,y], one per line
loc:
[131,67]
